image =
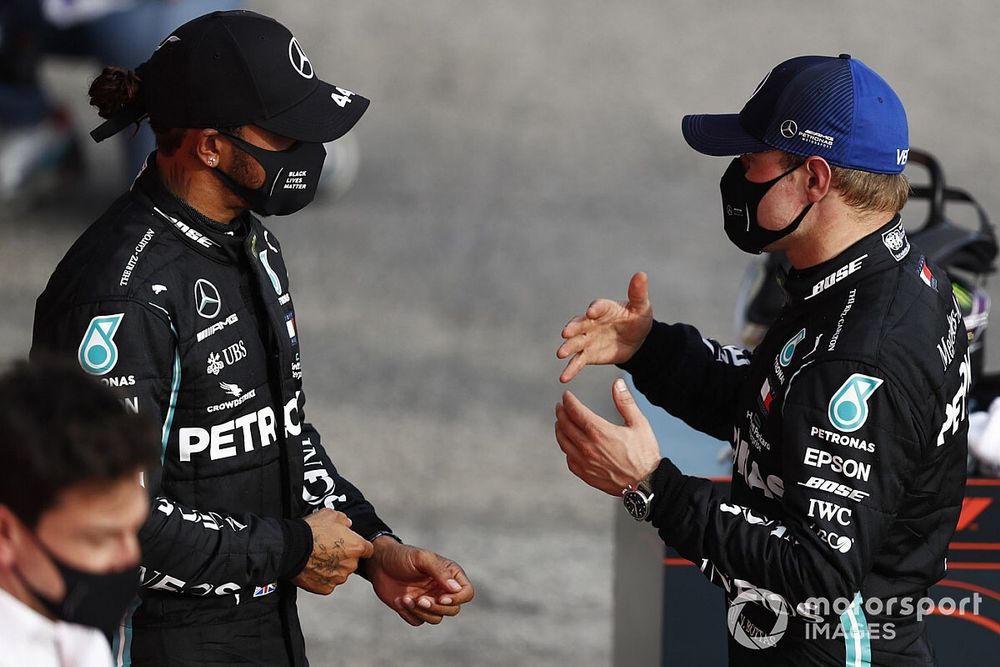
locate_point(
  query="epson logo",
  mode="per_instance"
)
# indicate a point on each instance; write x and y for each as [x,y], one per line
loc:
[821,509]
[819,458]
[837,276]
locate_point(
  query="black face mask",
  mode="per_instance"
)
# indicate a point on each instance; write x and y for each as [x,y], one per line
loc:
[291,177]
[740,199]
[95,600]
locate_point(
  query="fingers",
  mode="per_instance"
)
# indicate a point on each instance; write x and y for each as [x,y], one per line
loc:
[574,366]
[600,308]
[580,415]
[575,326]
[638,292]
[342,518]
[625,403]
[405,613]
[568,430]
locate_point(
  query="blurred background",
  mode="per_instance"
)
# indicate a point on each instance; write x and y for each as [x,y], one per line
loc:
[519,159]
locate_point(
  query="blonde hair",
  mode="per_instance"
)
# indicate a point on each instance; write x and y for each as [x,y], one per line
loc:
[864,190]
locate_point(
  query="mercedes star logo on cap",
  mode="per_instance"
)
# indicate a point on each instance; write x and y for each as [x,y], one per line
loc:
[207,299]
[300,61]
[789,129]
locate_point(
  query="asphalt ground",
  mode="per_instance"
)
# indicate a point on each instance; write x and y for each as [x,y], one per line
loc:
[518,160]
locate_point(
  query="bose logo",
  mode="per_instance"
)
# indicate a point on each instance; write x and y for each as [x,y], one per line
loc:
[837,276]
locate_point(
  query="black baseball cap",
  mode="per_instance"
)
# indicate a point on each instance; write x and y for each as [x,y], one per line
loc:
[233,68]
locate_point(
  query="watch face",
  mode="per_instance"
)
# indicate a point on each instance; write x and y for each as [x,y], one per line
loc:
[635,505]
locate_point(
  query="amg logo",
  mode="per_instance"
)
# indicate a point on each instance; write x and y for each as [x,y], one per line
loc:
[217,327]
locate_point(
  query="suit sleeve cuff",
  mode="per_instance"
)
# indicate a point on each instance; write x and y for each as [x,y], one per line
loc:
[668,485]
[298,547]
[659,350]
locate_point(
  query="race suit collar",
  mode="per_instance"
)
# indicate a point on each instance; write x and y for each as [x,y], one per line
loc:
[221,242]
[882,249]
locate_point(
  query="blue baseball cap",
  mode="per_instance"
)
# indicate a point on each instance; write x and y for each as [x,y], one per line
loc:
[836,108]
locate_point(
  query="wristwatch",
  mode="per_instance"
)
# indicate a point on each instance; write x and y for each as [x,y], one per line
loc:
[638,498]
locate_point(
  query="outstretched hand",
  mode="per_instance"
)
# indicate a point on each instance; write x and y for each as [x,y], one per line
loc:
[610,332]
[419,585]
[606,456]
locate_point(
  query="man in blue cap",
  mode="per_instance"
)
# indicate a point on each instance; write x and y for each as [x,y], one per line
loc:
[849,419]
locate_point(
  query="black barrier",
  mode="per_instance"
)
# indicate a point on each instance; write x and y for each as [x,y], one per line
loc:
[964,607]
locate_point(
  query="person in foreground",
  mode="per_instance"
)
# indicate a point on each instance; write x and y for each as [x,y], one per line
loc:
[178,297]
[848,421]
[71,506]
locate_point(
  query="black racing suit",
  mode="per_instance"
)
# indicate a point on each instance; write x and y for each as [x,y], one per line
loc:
[849,427]
[193,324]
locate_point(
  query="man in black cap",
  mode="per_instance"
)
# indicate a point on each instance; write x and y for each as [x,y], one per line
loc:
[178,298]
[848,421]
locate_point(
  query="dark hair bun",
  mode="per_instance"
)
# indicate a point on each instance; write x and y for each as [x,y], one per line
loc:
[114,89]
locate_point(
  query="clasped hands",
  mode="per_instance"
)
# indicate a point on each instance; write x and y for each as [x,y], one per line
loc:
[419,585]
[607,456]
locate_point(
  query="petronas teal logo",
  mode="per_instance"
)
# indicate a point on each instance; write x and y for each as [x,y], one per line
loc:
[270,272]
[98,353]
[848,409]
[789,350]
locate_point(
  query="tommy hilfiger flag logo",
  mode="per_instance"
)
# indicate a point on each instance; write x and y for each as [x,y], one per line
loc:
[926,275]
[766,396]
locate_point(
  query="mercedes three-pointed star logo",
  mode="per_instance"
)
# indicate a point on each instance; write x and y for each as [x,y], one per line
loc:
[206,299]
[789,129]
[299,59]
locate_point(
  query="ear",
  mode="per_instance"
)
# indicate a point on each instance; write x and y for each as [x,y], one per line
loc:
[819,178]
[10,537]
[208,148]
